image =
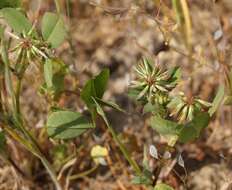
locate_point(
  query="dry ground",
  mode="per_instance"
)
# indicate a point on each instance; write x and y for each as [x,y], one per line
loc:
[105,37]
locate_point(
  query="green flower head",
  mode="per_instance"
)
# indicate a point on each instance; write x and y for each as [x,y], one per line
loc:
[152,81]
[184,108]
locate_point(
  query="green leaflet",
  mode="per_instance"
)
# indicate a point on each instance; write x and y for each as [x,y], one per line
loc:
[54,74]
[95,88]
[168,129]
[17,21]
[192,129]
[173,131]
[141,180]
[53,29]
[165,127]
[66,124]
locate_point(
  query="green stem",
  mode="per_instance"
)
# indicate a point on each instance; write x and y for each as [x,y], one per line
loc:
[5,158]
[57,6]
[7,75]
[125,152]
[33,149]
[67,2]
[122,147]
[51,172]
[34,145]
[29,142]
[176,7]
[17,96]
[83,174]
[1,99]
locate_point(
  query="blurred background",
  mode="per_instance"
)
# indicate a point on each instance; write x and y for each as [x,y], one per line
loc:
[117,34]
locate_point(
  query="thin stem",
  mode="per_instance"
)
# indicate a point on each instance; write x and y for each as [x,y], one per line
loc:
[122,147]
[34,144]
[67,2]
[1,99]
[7,75]
[19,139]
[83,174]
[5,158]
[27,139]
[57,6]
[125,152]
[35,150]
[15,166]
[176,8]
[51,172]
[17,96]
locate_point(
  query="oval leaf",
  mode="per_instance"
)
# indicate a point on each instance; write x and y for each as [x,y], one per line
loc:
[165,127]
[88,92]
[192,129]
[17,21]
[53,29]
[100,82]
[66,124]
[95,88]
[168,129]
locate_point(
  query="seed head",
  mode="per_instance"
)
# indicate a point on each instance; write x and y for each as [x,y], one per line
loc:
[152,80]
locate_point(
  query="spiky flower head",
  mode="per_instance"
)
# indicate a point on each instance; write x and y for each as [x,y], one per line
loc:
[152,81]
[184,108]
